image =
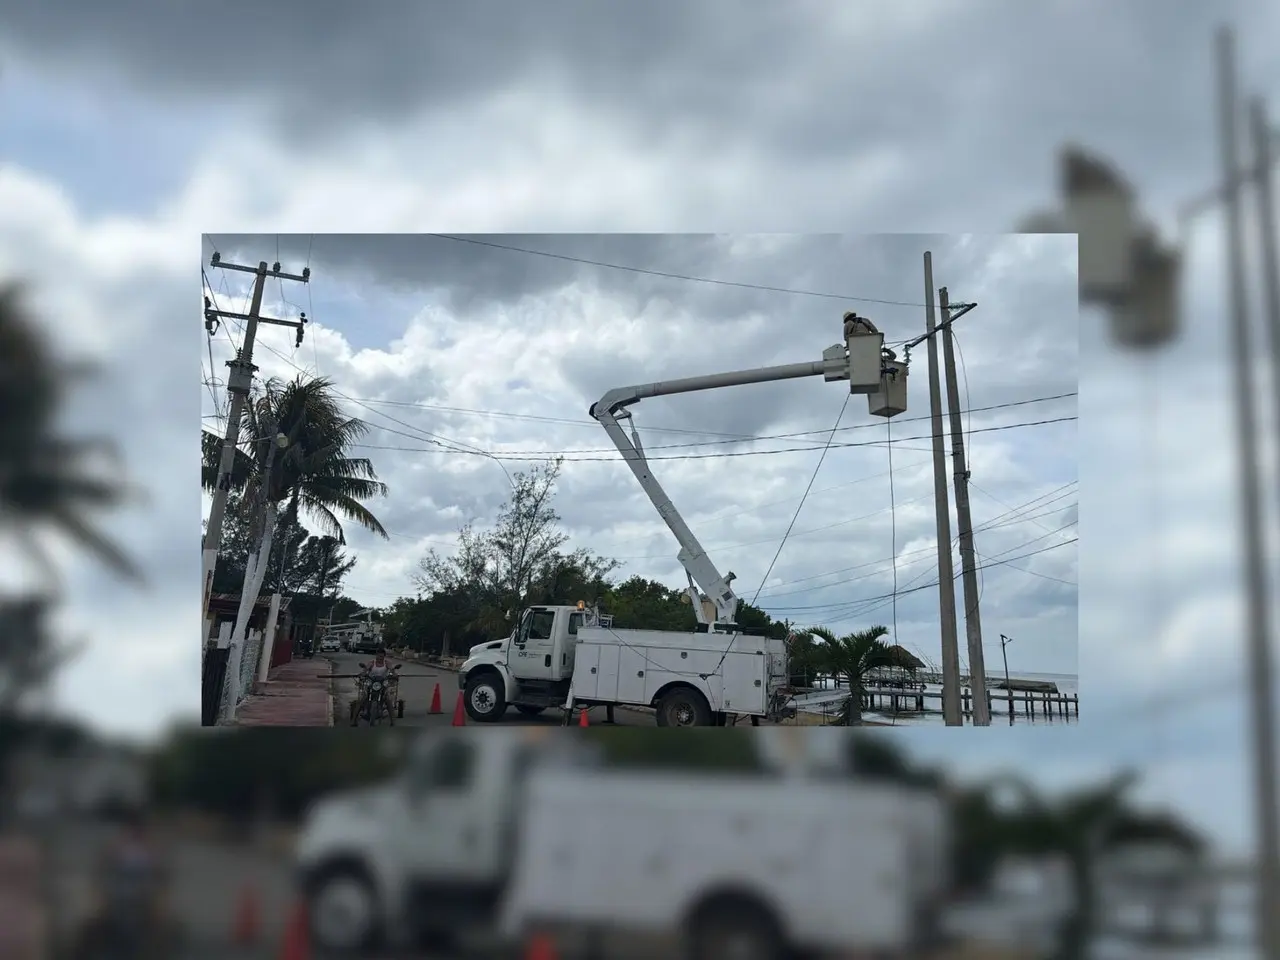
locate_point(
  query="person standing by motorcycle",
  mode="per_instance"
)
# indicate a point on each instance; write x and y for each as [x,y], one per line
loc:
[132,919]
[378,670]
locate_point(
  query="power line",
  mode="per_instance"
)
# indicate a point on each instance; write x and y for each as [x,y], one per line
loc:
[934,583]
[804,496]
[916,553]
[728,438]
[541,455]
[671,276]
[987,525]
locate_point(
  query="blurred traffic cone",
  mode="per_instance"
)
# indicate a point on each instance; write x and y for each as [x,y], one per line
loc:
[248,922]
[459,713]
[297,936]
[582,718]
[435,701]
[540,947]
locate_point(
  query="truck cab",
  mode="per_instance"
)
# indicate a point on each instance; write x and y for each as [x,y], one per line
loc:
[531,669]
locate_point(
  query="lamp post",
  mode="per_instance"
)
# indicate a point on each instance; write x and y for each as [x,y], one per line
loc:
[1008,687]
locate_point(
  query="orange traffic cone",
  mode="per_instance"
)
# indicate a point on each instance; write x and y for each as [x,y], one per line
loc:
[582,718]
[540,947]
[248,922]
[297,936]
[435,701]
[459,713]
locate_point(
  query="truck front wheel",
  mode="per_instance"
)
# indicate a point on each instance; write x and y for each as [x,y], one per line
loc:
[342,911]
[683,707]
[485,699]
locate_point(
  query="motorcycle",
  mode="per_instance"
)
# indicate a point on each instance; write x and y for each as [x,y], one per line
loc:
[131,923]
[373,694]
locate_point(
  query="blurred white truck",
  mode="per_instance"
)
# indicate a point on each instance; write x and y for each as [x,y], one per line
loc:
[519,831]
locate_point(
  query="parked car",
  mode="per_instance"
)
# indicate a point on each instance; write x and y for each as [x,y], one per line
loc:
[330,645]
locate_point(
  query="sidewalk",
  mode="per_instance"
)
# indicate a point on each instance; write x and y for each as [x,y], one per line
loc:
[296,694]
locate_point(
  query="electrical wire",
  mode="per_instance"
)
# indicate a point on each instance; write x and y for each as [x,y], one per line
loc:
[800,506]
[670,276]
[890,596]
[727,437]
[519,456]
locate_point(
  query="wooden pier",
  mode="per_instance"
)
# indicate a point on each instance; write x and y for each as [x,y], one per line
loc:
[1028,703]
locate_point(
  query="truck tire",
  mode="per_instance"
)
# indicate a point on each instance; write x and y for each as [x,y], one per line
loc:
[683,707]
[530,711]
[484,697]
[343,912]
[734,931]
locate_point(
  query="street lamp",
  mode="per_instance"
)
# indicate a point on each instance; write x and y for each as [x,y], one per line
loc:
[1004,642]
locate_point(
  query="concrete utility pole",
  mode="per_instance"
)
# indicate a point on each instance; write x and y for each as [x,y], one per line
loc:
[239,382]
[1257,613]
[951,714]
[964,523]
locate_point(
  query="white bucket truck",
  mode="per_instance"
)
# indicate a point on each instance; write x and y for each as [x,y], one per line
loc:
[517,831]
[573,656]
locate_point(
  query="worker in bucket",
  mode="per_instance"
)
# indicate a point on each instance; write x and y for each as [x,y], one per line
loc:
[854,324]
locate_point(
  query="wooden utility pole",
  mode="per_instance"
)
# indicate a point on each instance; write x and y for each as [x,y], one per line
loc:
[951,713]
[964,523]
[239,381]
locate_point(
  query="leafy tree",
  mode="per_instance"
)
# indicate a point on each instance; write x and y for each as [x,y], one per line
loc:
[322,565]
[520,561]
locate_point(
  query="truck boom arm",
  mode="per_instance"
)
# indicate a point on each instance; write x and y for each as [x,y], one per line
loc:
[612,407]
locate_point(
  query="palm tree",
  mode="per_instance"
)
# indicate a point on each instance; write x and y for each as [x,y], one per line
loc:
[852,657]
[47,481]
[309,470]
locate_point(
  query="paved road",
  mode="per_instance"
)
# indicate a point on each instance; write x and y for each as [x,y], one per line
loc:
[418,683]
[210,879]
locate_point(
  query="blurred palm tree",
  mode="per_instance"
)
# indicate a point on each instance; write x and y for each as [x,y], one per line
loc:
[852,657]
[48,481]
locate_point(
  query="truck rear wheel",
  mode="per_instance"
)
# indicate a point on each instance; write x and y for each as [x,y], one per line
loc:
[484,697]
[683,707]
[734,931]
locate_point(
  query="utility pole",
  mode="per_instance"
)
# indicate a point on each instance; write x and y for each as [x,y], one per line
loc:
[239,381]
[1008,685]
[1260,654]
[964,523]
[1257,613]
[951,714]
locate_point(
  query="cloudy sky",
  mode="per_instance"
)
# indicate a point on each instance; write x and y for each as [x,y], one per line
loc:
[447,345]
[125,136]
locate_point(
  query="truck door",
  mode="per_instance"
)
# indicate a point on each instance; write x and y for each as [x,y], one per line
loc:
[533,654]
[451,839]
[566,644]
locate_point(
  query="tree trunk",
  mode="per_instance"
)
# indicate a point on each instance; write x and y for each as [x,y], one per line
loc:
[855,701]
[254,575]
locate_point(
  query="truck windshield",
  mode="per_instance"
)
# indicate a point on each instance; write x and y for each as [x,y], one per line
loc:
[447,765]
[541,623]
